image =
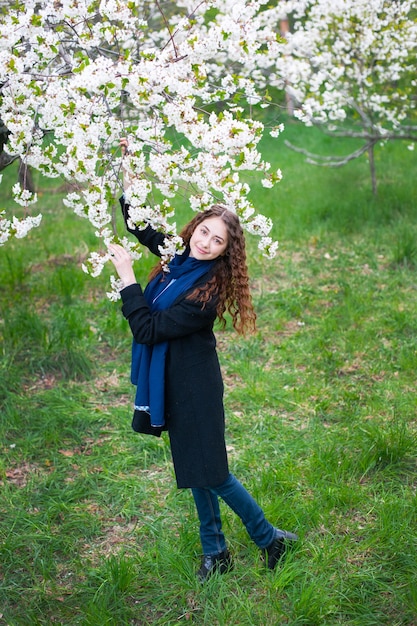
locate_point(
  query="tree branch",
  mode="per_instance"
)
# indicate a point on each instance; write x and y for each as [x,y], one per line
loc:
[171,37]
[329,161]
[6,159]
[406,132]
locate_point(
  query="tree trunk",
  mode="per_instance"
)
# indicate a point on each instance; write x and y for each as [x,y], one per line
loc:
[5,160]
[372,167]
[284,27]
[25,177]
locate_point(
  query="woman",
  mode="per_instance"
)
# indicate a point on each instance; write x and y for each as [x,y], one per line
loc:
[177,373]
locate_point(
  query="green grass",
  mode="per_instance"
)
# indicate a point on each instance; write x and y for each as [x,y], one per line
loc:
[321,422]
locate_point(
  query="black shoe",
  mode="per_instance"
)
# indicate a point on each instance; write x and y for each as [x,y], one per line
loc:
[214,563]
[276,550]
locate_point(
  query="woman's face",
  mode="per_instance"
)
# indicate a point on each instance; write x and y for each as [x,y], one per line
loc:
[209,239]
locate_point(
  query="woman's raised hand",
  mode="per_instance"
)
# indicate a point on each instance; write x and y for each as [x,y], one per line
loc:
[124,145]
[122,261]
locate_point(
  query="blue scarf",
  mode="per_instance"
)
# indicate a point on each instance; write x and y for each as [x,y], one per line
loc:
[148,362]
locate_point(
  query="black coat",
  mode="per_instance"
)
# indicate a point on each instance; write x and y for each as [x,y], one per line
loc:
[194,411]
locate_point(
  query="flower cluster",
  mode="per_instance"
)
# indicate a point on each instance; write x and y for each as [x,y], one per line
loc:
[78,76]
[17,227]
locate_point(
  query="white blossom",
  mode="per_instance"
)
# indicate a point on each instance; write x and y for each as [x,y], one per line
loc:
[268,247]
[277,130]
[95,263]
[24,197]
[260,225]
[171,246]
[117,286]
[5,225]
[17,227]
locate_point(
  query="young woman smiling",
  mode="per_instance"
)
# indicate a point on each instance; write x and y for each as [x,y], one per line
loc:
[177,373]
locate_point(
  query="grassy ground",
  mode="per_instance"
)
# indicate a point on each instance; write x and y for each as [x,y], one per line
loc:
[321,422]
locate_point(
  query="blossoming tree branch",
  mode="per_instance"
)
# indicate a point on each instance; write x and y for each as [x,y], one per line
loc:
[79,75]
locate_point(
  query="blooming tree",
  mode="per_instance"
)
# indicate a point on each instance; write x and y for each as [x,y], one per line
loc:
[350,67]
[76,76]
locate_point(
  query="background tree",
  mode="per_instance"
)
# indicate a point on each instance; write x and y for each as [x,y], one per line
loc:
[4,157]
[24,174]
[351,68]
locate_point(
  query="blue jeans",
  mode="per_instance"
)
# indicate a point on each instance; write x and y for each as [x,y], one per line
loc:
[242,503]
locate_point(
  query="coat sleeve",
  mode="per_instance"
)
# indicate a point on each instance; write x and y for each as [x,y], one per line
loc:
[183,318]
[146,236]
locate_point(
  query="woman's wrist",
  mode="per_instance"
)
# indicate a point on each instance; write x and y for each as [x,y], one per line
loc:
[128,279]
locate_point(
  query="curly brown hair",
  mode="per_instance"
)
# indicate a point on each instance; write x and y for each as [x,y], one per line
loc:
[229,282]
